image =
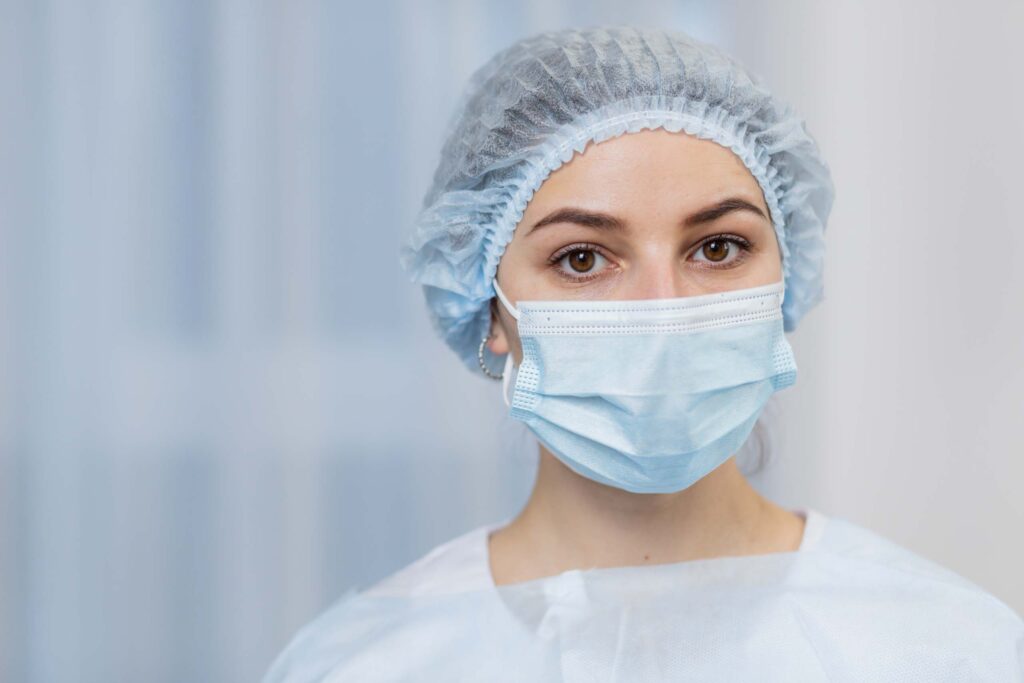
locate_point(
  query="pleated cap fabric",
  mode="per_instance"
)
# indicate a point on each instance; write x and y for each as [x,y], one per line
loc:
[533,105]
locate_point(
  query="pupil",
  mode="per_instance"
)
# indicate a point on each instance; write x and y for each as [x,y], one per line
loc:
[582,261]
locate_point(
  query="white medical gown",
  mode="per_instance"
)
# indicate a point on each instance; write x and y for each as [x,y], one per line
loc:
[847,606]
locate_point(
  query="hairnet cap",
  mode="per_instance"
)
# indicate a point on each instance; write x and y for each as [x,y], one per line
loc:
[532,106]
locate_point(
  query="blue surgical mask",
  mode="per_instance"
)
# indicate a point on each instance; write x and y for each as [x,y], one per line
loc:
[648,395]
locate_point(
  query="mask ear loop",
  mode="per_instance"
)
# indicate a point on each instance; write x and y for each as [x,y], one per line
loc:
[505,381]
[506,374]
[504,300]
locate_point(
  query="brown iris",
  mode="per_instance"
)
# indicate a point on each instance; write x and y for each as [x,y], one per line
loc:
[716,250]
[581,260]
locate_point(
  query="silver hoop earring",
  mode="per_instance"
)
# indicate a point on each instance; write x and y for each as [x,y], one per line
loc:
[483,365]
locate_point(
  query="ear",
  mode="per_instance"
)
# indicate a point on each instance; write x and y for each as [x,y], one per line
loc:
[498,342]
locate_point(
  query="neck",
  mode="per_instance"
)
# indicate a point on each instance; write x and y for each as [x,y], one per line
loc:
[571,522]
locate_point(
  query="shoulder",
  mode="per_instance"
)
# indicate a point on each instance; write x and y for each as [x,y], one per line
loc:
[458,565]
[879,558]
[409,600]
[890,599]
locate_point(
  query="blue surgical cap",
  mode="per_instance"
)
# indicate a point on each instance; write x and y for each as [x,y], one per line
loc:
[533,105]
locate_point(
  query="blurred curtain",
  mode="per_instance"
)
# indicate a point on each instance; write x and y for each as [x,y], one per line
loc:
[222,403]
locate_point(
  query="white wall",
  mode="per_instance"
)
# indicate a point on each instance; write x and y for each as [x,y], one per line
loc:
[910,405]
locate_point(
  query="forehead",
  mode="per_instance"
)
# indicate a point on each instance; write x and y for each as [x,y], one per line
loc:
[649,167]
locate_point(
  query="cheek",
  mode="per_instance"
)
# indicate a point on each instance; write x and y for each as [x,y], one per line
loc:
[767,257]
[528,273]
[774,256]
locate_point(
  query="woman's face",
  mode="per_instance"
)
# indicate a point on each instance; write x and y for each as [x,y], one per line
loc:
[645,215]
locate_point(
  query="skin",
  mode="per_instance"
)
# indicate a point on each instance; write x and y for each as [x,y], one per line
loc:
[659,187]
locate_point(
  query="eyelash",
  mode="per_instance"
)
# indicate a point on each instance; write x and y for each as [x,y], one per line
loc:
[742,244]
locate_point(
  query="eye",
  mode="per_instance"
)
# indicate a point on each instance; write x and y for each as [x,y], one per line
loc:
[578,262]
[720,250]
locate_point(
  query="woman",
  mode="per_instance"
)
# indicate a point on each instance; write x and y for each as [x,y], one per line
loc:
[632,221]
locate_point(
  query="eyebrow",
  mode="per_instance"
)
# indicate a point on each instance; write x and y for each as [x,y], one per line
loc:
[722,208]
[604,221]
[589,219]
